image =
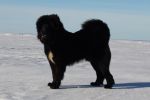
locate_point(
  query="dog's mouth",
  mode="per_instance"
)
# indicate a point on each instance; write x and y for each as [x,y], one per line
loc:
[42,37]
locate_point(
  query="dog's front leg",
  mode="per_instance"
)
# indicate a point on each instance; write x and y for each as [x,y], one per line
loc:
[54,84]
[58,74]
[58,70]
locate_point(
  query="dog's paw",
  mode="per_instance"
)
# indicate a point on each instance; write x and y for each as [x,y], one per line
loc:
[54,85]
[96,84]
[109,86]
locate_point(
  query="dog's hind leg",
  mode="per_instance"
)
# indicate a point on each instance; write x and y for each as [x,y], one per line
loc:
[101,67]
[99,74]
[107,75]
[104,67]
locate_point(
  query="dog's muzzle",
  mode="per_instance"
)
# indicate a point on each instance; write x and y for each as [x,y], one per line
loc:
[42,37]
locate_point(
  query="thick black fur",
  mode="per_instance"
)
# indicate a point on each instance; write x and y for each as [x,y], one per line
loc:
[91,43]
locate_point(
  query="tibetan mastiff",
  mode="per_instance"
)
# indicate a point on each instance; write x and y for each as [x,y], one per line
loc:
[63,48]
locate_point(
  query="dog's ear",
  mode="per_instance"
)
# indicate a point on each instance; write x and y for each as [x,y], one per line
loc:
[56,17]
[55,22]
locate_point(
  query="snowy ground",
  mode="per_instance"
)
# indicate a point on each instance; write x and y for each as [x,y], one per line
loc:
[24,72]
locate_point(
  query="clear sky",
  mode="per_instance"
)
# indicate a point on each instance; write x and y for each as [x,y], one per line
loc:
[127,19]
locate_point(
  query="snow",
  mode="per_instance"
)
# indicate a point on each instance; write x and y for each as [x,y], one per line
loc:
[25,72]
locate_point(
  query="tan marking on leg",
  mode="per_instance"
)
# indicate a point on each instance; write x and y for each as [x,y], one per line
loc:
[50,57]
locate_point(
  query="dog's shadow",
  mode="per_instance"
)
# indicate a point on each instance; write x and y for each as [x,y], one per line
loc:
[116,86]
[132,85]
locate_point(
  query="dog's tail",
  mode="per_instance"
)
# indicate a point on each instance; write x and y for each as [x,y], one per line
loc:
[97,28]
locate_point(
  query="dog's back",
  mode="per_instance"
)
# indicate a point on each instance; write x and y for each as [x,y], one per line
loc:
[88,43]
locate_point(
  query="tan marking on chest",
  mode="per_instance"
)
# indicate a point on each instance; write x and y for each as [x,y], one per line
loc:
[50,57]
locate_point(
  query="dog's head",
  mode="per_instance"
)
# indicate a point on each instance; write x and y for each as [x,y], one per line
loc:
[47,26]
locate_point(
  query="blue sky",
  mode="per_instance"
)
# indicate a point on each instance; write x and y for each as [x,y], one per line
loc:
[127,19]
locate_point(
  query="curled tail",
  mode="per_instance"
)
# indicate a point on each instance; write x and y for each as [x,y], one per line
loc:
[98,29]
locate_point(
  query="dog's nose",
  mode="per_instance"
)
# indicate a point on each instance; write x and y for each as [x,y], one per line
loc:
[43,37]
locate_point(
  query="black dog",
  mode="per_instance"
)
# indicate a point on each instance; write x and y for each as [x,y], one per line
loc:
[64,48]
